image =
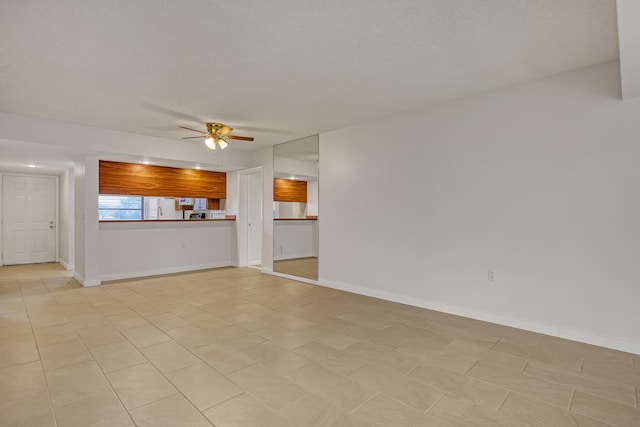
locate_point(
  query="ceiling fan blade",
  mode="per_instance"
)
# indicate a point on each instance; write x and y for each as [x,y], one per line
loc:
[195,130]
[222,131]
[241,138]
[194,137]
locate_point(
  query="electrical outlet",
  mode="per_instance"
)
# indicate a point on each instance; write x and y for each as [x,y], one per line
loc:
[491,275]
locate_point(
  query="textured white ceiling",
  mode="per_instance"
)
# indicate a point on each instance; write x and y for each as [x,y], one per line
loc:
[279,70]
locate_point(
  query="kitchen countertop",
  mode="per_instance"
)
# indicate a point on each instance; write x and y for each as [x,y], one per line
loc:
[229,218]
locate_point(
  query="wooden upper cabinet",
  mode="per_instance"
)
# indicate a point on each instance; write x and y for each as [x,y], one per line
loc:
[288,190]
[147,180]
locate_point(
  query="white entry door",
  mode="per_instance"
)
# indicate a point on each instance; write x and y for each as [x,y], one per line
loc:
[254,207]
[28,219]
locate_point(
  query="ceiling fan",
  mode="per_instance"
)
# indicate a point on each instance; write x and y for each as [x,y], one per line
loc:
[217,135]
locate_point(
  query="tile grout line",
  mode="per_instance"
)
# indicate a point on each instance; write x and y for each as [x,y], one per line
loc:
[44,375]
[412,369]
[573,393]
[505,399]
[360,405]
[470,368]
[291,403]
[436,402]
[225,401]
[111,386]
[178,391]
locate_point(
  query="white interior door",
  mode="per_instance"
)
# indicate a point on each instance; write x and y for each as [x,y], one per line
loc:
[254,213]
[28,219]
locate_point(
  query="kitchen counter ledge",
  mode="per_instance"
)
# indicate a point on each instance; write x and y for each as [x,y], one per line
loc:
[167,220]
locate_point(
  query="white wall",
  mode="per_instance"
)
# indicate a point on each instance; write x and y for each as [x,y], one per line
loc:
[294,239]
[539,181]
[136,249]
[66,249]
[312,198]
[87,262]
[78,222]
[233,193]
[292,167]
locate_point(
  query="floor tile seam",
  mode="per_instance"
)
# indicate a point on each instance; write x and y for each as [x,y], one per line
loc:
[193,403]
[113,390]
[503,401]
[606,423]
[376,394]
[254,397]
[225,401]
[126,367]
[498,385]
[407,405]
[634,409]
[46,379]
[306,394]
[573,393]
[582,387]
[178,369]
[256,362]
[178,392]
[470,368]
[511,390]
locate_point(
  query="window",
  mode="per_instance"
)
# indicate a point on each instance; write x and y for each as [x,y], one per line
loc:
[119,207]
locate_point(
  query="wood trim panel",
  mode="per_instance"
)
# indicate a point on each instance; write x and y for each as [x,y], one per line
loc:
[148,180]
[288,190]
[213,204]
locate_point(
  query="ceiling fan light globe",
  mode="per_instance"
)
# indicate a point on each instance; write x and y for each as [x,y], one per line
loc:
[222,143]
[210,143]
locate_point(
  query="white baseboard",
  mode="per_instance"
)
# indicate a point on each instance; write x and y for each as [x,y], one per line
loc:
[78,277]
[84,282]
[616,343]
[66,266]
[170,270]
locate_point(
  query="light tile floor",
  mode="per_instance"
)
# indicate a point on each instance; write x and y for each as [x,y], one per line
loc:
[234,347]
